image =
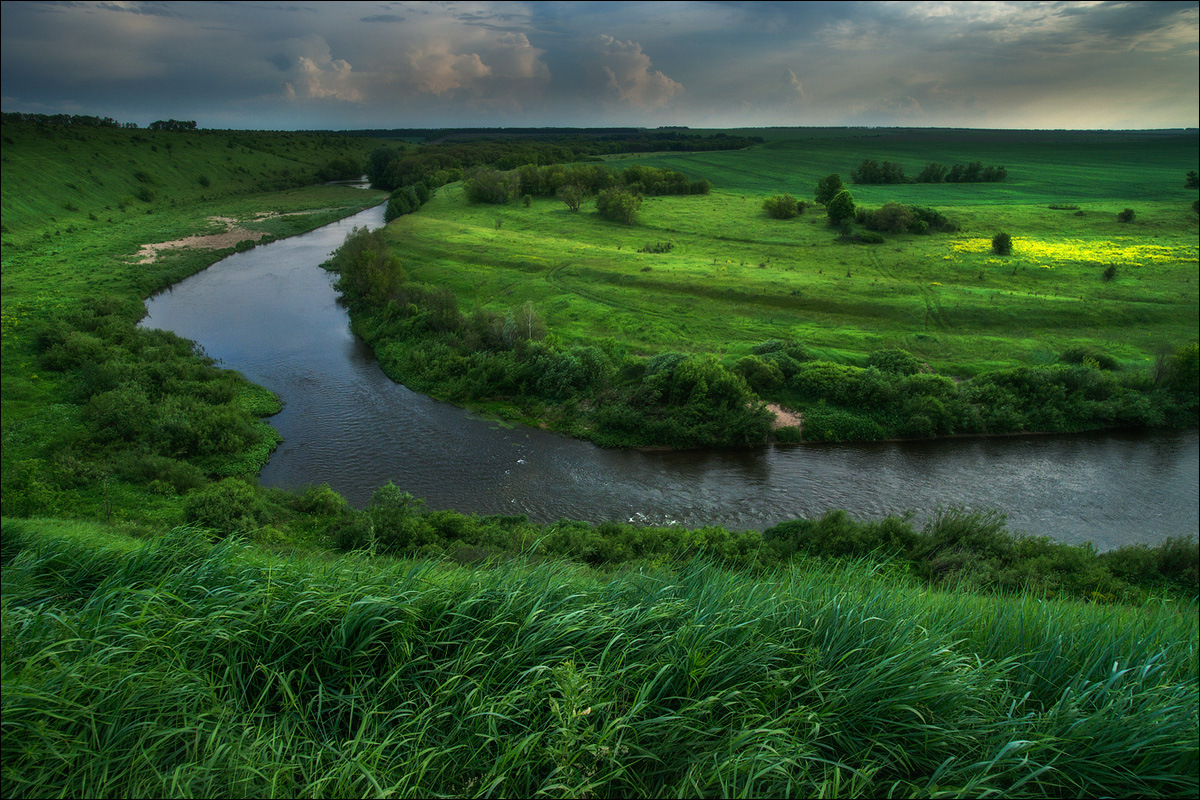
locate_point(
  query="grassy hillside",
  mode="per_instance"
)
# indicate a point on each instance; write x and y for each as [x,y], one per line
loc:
[174,668]
[89,400]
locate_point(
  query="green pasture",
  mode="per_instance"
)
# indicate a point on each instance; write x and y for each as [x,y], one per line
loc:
[735,277]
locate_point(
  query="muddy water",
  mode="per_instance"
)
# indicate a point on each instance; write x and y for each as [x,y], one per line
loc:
[272,313]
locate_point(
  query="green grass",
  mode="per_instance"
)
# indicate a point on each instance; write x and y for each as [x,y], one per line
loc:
[735,277]
[173,668]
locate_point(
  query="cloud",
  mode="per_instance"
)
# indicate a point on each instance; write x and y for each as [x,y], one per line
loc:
[516,58]
[436,70]
[629,73]
[316,75]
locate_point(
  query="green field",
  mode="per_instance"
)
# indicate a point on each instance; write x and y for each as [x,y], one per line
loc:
[736,277]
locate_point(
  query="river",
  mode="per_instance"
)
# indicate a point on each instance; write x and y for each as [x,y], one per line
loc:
[272,314]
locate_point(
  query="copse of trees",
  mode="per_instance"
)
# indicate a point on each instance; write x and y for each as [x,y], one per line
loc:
[901,218]
[448,155]
[406,200]
[574,184]
[873,172]
[342,168]
[174,125]
[65,120]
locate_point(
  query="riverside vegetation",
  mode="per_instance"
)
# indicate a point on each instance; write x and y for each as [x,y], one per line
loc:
[170,628]
[884,314]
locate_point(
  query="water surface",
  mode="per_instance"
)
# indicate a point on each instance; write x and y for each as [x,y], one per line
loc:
[272,314]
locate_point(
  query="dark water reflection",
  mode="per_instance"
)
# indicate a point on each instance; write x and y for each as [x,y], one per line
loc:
[272,314]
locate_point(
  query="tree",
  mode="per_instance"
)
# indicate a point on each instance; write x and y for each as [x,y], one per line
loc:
[1127,215]
[840,208]
[828,187]
[573,195]
[619,205]
[1193,180]
[1002,244]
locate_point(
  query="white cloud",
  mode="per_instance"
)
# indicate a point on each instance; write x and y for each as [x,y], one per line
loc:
[629,73]
[437,70]
[317,75]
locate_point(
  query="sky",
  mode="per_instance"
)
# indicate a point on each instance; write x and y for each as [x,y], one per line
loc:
[351,65]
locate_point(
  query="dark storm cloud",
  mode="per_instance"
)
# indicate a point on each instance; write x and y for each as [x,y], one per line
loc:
[351,64]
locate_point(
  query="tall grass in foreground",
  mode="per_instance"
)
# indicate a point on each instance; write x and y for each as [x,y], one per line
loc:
[179,669]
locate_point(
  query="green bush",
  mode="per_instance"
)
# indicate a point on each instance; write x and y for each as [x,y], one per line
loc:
[230,506]
[1002,244]
[618,205]
[899,362]
[782,206]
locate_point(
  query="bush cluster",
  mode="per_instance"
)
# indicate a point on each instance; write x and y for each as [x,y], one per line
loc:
[899,218]
[894,397]
[423,339]
[143,406]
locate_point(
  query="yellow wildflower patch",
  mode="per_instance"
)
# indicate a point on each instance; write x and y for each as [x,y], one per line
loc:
[1115,251]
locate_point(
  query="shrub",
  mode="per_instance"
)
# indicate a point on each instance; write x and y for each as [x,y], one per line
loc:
[1002,244]
[1110,272]
[782,206]
[226,507]
[1126,215]
[619,205]
[900,362]
[320,500]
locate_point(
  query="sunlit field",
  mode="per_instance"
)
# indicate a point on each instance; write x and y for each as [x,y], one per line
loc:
[735,277]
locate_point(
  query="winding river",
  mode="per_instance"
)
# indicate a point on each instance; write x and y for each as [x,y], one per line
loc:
[272,314]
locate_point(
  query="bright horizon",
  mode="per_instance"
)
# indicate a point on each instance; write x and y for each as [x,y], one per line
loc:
[704,65]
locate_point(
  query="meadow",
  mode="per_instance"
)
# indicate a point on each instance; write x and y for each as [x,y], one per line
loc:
[735,277]
[669,326]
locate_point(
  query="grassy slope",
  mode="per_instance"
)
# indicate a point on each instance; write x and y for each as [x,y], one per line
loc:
[169,668]
[736,277]
[72,228]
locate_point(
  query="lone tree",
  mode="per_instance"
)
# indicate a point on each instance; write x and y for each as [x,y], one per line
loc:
[828,187]
[1127,215]
[573,195]
[840,208]
[1002,244]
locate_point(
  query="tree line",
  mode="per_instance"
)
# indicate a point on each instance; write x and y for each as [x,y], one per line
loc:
[874,172]
[437,164]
